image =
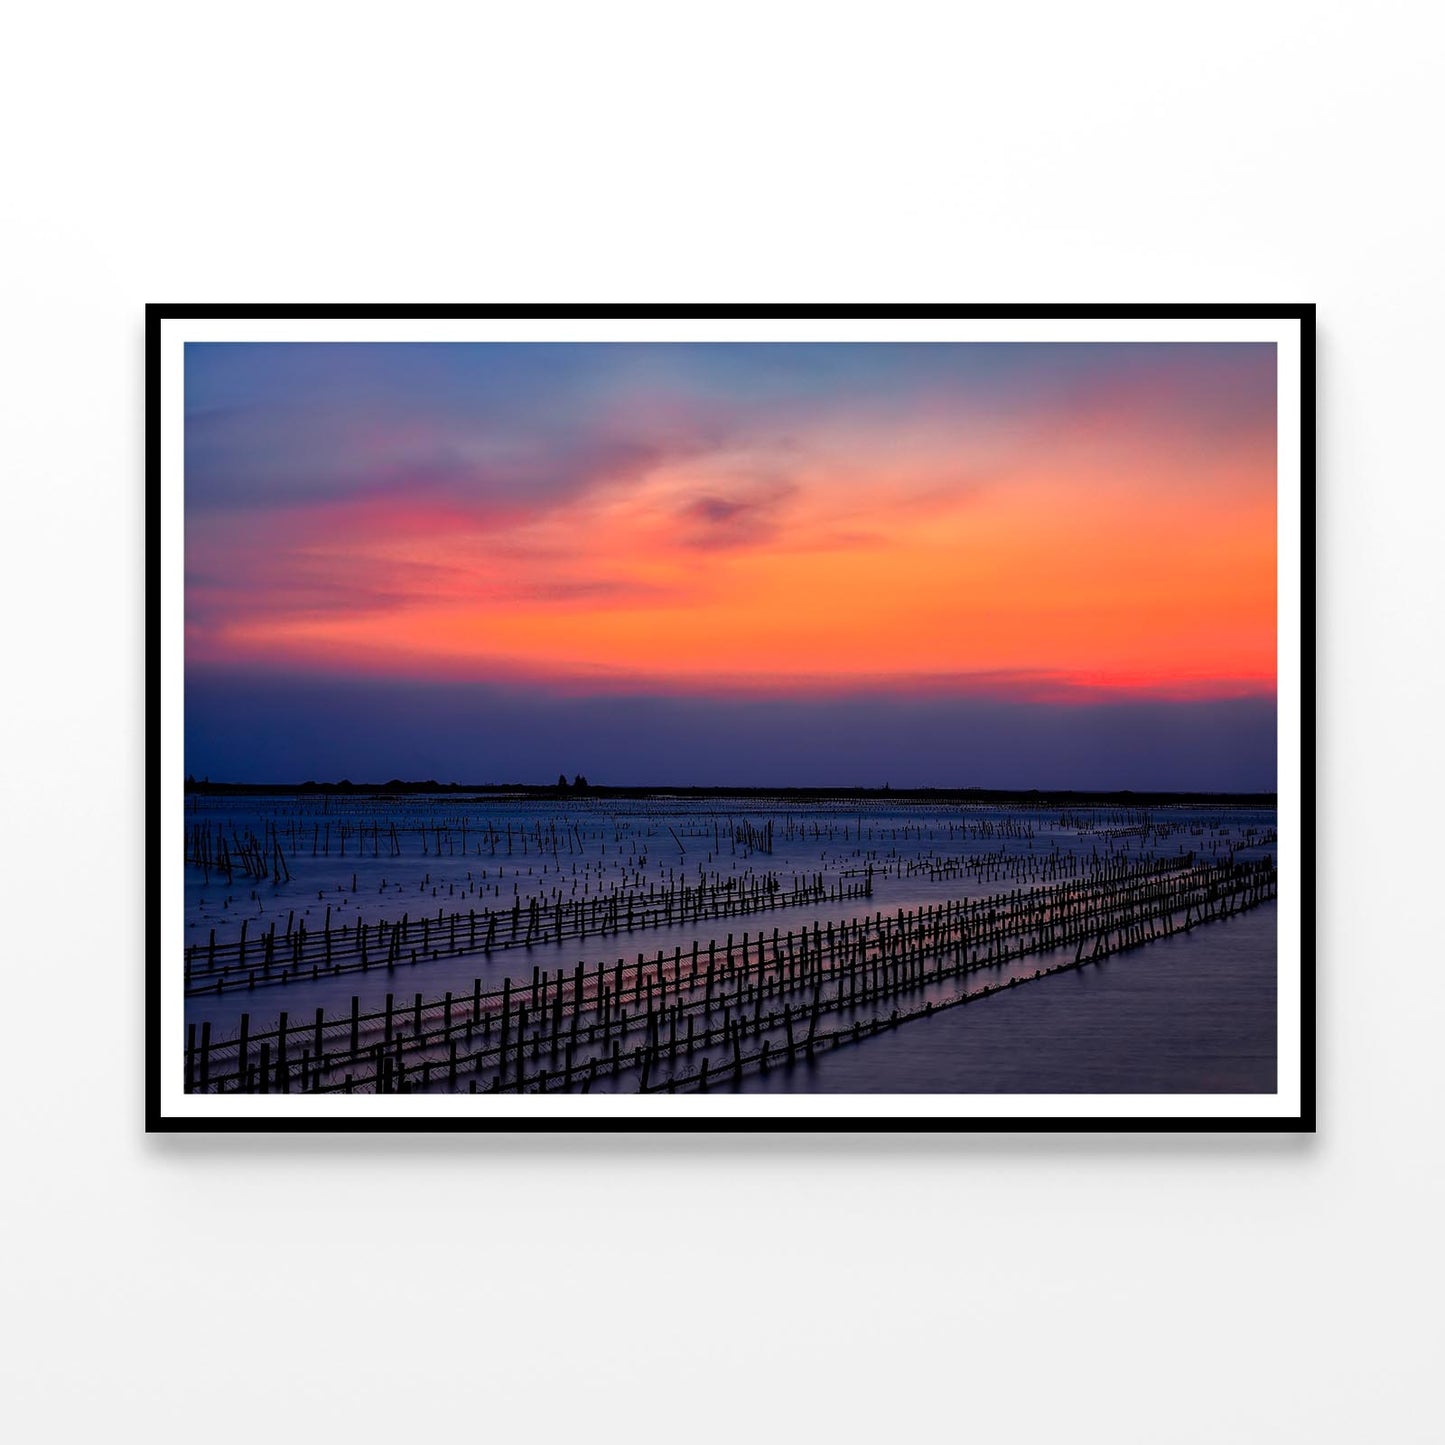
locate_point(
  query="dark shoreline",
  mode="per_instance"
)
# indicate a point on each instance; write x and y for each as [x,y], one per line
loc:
[1034,796]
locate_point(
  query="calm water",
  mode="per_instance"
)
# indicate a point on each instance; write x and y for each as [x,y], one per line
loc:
[1189,1014]
[1195,1013]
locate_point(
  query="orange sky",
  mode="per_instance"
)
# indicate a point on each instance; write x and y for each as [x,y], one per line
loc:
[1114,537]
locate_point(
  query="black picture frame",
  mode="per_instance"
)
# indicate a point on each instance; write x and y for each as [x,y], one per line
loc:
[157,1120]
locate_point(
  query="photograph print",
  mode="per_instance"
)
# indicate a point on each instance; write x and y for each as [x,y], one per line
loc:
[730,718]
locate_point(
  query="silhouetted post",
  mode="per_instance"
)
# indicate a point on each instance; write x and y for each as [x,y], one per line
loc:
[282,1073]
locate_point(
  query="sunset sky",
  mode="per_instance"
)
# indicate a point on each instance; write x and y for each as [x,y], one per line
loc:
[1006,565]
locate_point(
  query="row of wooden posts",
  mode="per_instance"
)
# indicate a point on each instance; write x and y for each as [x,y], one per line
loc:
[1037,911]
[207,847]
[298,954]
[992,867]
[659,1015]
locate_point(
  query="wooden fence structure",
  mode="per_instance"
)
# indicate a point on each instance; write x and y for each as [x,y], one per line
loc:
[708,1015]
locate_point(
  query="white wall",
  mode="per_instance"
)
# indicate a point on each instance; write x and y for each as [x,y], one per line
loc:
[1079,1289]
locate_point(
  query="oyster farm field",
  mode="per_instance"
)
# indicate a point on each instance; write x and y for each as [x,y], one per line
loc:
[483,942]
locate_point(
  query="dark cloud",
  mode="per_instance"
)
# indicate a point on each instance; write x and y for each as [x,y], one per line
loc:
[752,511]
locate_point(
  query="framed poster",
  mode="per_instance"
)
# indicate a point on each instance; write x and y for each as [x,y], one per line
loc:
[775,717]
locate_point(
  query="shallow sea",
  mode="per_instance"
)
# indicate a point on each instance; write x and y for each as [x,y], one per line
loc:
[1192,1013]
